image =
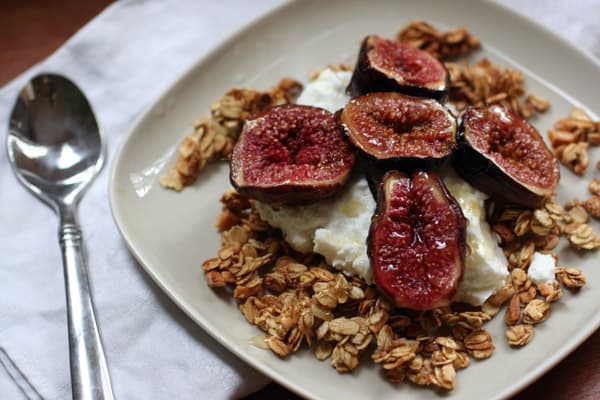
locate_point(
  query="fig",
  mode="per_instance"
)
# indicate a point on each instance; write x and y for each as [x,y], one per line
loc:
[393,127]
[388,66]
[291,154]
[417,241]
[502,155]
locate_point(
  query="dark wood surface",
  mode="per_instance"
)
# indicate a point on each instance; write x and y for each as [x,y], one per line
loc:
[33,29]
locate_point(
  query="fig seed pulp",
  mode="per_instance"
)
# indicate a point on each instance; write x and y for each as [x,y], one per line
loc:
[417,241]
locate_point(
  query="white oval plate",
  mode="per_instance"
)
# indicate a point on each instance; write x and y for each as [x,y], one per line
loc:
[171,233]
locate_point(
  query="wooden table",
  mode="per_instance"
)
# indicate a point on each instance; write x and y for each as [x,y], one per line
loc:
[49,23]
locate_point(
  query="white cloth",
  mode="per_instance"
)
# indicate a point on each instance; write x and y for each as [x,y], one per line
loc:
[123,60]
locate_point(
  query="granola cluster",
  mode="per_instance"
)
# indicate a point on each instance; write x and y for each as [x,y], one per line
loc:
[214,135]
[487,83]
[450,45]
[571,138]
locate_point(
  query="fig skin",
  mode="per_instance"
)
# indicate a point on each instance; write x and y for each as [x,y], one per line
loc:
[417,241]
[374,173]
[385,65]
[291,154]
[502,155]
[394,129]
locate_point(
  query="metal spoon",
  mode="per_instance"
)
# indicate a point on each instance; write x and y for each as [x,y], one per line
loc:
[55,148]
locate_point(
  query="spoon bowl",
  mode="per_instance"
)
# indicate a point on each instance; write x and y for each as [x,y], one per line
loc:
[55,148]
[54,142]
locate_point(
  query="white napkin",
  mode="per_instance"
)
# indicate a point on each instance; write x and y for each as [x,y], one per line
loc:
[123,60]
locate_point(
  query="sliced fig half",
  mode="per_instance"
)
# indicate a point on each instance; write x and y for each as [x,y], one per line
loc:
[502,155]
[417,241]
[395,127]
[388,66]
[291,154]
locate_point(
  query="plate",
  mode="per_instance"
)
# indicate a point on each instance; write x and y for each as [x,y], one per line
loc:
[171,234]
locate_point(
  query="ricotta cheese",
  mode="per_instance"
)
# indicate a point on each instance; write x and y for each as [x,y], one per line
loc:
[486,267]
[336,228]
[343,240]
[542,268]
[328,91]
[299,223]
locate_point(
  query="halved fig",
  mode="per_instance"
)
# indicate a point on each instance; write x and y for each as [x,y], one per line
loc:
[502,155]
[417,241]
[388,66]
[395,127]
[291,154]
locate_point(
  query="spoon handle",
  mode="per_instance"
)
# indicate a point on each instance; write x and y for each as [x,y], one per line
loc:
[89,372]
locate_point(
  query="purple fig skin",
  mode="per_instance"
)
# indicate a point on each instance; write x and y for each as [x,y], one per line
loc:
[291,154]
[374,173]
[527,184]
[397,130]
[417,241]
[370,75]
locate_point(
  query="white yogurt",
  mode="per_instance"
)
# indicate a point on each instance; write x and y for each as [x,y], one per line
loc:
[328,91]
[542,268]
[336,228]
[486,267]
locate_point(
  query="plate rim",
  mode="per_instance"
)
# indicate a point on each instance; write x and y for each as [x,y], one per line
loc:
[531,21]
[527,379]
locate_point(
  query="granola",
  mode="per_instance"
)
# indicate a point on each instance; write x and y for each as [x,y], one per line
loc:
[445,46]
[487,83]
[214,135]
[519,335]
[571,138]
[298,300]
[536,311]
[479,344]
[571,278]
